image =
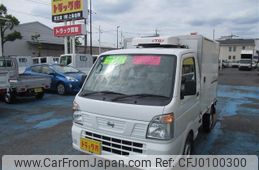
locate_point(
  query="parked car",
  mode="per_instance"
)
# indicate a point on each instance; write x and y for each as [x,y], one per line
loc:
[254,64]
[225,64]
[235,64]
[20,84]
[64,79]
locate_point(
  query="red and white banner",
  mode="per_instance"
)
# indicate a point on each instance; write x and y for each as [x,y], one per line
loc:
[69,30]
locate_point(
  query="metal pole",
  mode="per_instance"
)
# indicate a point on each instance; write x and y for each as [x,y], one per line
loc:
[65,43]
[73,41]
[85,37]
[99,39]
[118,36]
[91,36]
[213,34]
[1,47]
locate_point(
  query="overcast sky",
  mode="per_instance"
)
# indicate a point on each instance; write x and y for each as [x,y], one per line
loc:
[143,17]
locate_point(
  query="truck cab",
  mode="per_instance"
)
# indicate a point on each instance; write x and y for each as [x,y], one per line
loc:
[83,62]
[150,100]
[246,62]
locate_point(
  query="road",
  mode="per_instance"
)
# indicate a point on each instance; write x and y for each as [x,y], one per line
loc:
[44,127]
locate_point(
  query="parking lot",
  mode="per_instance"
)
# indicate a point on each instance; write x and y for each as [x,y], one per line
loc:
[44,127]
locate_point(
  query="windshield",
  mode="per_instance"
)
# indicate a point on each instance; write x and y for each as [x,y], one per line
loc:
[151,76]
[64,69]
[65,60]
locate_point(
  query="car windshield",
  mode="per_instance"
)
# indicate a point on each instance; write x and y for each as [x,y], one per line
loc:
[140,76]
[64,69]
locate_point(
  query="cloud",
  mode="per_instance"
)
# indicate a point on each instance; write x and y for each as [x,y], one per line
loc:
[169,17]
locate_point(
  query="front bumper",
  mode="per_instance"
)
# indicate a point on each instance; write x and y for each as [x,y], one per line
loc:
[173,147]
[73,87]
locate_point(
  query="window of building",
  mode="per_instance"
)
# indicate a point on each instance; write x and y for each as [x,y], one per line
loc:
[230,49]
[243,47]
[234,57]
[22,60]
[43,60]
[234,48]
[229,57]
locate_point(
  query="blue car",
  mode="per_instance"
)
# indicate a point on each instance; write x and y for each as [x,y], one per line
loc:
[64,79]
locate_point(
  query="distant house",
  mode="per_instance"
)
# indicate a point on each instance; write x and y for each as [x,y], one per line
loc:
[230,49]
[38,40]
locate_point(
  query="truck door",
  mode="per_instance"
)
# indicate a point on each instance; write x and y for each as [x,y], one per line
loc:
[190,92]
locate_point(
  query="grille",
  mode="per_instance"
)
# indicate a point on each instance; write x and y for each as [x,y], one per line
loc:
[116,146]
[119,125]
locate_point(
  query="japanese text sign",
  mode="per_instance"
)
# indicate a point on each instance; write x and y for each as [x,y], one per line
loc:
[69,30]
[67,10]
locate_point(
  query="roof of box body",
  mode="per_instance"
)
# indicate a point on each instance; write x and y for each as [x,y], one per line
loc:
[250,42]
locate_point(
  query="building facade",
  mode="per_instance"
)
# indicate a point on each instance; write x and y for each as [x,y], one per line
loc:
[38,40]
[230,49]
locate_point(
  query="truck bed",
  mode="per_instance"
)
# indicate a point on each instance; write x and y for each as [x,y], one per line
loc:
[25,82]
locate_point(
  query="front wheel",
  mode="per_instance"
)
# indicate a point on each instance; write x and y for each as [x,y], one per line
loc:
[61,89]
[9,97]
[209,120]
[188,146]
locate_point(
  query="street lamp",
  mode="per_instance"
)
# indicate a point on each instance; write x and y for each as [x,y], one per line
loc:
[118,36]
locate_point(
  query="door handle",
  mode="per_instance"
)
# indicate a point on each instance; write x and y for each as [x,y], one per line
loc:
[198,93]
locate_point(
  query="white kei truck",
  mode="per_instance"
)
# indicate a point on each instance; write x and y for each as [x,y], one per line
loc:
[20,84]
[82,62]
[150,100]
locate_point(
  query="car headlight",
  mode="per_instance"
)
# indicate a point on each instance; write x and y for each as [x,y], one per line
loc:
[161,127]
[77,115]
[71,78]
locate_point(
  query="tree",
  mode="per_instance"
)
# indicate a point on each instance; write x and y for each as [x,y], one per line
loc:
[36,40]
[7,22]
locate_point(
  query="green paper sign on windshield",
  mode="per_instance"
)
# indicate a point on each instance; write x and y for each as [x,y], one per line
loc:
[115,60]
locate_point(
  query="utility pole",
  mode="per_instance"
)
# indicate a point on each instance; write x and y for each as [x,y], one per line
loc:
[85,36]
[213,34]
[156,33]
[99,39]
[118,36]
[91,36]
[121,38]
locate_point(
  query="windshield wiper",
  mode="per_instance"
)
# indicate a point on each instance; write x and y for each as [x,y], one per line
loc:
[104,92]
[139,96]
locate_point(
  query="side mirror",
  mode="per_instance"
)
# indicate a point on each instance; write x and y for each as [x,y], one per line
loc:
[52,74]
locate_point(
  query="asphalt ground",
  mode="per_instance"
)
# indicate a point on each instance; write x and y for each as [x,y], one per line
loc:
[44,126]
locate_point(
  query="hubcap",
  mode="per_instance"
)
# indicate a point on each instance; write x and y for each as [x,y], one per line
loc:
[61,89]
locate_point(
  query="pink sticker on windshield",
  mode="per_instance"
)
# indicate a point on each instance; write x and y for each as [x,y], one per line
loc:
[147,60]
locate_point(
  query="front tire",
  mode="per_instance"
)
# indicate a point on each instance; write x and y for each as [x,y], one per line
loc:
[188,146]
[208,120]
[9,97]
[61,89]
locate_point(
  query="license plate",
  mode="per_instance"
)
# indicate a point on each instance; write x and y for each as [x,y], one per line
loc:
[91,146]
[38,90]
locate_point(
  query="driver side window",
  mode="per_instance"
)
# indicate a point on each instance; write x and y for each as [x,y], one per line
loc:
[188,83]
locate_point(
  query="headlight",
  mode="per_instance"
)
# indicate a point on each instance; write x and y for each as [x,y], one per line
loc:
[77,116]
[161,127]
[71,78]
